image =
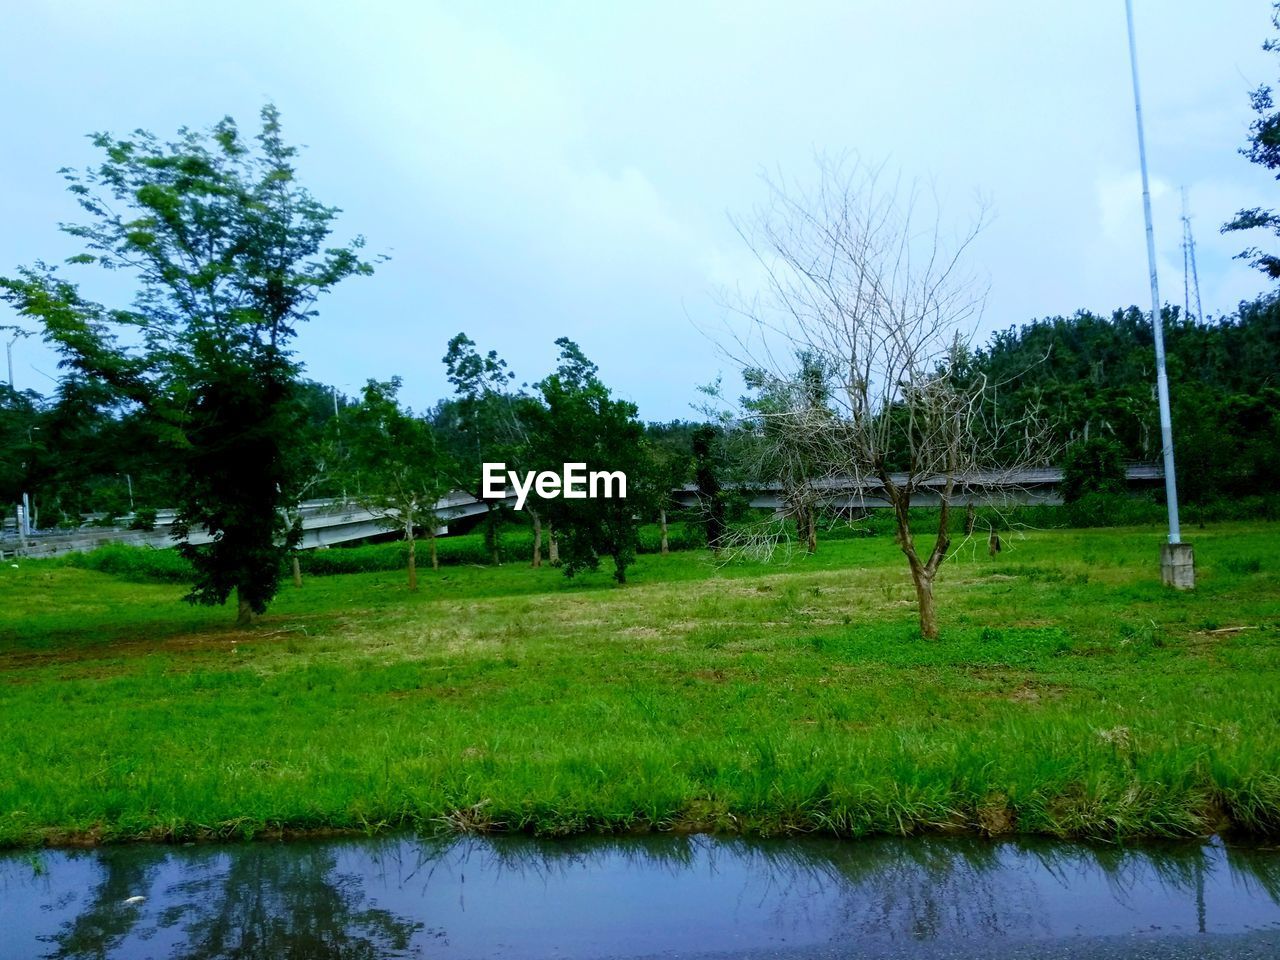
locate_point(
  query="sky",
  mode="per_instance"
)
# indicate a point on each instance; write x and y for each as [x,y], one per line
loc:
[538,170]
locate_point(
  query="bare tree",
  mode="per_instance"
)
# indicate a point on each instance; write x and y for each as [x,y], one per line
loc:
[783,440]
[863,289]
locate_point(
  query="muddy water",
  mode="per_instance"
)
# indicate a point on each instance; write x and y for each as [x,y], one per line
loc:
[662,896]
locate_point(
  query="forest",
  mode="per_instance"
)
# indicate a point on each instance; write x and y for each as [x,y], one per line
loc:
[80,451]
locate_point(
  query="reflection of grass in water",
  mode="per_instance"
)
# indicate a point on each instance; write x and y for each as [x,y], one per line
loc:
[768,699]
[917,887]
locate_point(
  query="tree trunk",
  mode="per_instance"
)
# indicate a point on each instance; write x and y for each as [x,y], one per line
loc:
[413,559]
[665,547]
[553,547]
[244,612]
[811,535]
[537,538]
[494,531]
[297,571]
[921,573]
[924,599]
[970,518]
[431,540]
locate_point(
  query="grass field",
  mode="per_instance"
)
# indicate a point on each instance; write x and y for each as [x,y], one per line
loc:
[1070,695]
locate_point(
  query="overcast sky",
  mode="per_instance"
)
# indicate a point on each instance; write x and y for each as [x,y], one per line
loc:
[537,170]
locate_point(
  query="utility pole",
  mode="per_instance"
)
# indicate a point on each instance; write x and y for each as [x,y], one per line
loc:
[18,334]
[1189,258]
[1177,561]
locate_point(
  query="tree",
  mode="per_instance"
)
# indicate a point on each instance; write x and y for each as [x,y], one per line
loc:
[395,466]
[706,477]
[490,417]
[1263,149]
[862,286]
[667,468]
[582,423]
[790,419]
[1092,466]
[229,255]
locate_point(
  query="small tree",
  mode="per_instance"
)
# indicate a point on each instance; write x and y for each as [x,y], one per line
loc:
[790,418]
[867,293]
[395,466]
[229,255]
[582,423]
[492,421]
[667,468]
[705,444]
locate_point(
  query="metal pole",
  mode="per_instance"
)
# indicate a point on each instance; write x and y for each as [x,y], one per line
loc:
[1157,324]
[9,352]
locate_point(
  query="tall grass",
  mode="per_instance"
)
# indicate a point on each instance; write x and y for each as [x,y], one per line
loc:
[1070,695]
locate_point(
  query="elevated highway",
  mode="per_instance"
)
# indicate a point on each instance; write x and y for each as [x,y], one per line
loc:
[327,523]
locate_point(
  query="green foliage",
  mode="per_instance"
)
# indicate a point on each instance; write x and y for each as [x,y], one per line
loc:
[1102,509]
[708,457]
[135,564]
[486,422]
[1092,375]
[1092,466]
[228,254]
[392,462]
[144,518]
[582,423]
[1263,149]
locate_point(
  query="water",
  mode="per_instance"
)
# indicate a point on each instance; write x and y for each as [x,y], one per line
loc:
[652,896]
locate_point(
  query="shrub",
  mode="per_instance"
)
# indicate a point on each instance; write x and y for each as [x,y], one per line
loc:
[139,564]
[1112,510]
[143,519]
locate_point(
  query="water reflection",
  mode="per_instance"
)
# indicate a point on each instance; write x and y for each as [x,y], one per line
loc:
[244,902]
[520,897]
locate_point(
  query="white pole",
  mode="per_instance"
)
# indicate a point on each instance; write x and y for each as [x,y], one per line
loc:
[1157,324]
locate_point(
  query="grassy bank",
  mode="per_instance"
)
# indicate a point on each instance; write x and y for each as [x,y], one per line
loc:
[1070,695]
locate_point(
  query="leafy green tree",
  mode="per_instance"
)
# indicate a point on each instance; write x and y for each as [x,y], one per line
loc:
[491,421]
[395,466]
[229,254]
[1090,466]
[1263,149]
[707,464]
[668,468]
[582,423]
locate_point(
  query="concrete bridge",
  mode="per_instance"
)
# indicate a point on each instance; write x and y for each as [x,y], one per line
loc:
[1037,485]
[329,522]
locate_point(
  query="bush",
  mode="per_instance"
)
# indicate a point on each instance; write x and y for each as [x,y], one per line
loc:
[143,519]
[1236,508]
[1113,510]
[139,564]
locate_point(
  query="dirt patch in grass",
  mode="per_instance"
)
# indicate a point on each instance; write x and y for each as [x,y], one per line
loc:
[1028,692]
[268,631]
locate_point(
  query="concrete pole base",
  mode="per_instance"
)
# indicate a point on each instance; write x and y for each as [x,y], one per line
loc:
[1178,566]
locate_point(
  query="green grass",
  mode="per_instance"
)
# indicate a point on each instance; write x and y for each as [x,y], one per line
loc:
[1070,695]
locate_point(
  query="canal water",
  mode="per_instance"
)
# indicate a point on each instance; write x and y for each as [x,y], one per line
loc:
[667,896]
